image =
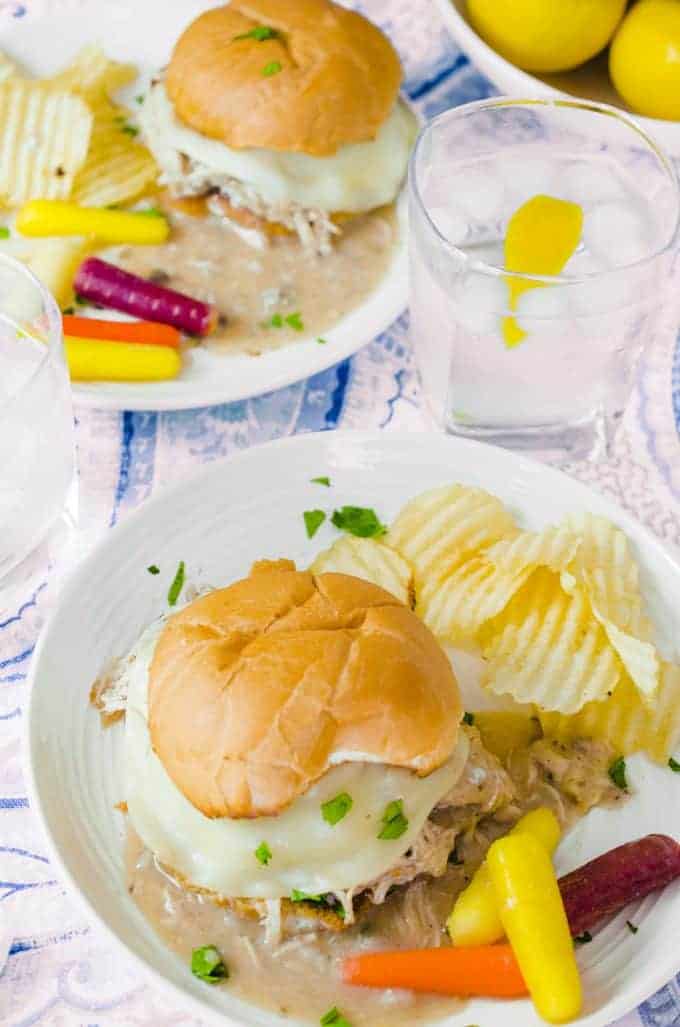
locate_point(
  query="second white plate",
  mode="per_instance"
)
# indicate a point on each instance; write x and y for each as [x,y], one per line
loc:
[130,31]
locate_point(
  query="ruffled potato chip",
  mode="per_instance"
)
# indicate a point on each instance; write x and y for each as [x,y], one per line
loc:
[92,74]
[118,168]
[7,68]
[370,560]
[555,547]
[459,606]
[456,608]
[437,530]
[606,569]
[627,722]
[45,139]
[547,648]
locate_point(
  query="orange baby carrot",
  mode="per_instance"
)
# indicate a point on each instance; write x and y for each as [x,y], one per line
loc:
[487,970]
[148,332]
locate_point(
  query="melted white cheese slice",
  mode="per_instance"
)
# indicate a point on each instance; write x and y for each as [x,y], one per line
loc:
[307,853]
[357,178]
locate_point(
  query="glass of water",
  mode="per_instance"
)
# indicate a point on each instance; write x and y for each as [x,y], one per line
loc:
[37,466]
[557,382]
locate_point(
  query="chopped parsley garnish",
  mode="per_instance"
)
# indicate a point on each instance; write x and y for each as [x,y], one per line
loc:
[469,719]
[313,521]
[321,481]
[273,68]
[4,232]
[207,964]
[583,939]
[393,820]
[260,33]
[177,585]
[151,212]
[674,765]
[139,99]
[130,130]
[263,854]
[631,927]
[303,896]
[295,321]
[153,569]
[322,342]
[617,773]
[68,311]
[358,520]
[336,809]
[334,1018]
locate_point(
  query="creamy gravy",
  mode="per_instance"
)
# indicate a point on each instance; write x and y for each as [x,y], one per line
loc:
[210,261]
[300,977]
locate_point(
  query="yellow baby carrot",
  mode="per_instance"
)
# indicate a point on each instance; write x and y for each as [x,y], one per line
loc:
[535,923]
[100,360]
[57,217]
[475,918]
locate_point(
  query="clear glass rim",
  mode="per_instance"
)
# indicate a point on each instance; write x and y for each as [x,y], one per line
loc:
[54,322]
[456,113]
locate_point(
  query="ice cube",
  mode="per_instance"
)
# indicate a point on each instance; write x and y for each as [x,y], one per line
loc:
[583,263]
[545,310]
[589,183]
[452,224]
[616,233]
[601,294]
[526,176]
[479,302]
[478,192]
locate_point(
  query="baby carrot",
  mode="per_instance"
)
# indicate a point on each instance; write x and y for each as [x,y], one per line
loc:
[112,287]
[103,360]
[58,217]
[149,332]
[535,924]
[475,918]
[489,970]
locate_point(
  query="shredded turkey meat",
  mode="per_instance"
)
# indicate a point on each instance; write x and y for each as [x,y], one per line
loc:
[488,799]
[313,226]
[483,788]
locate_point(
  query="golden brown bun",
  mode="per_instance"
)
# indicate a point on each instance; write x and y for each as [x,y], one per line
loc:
[254,688]
[339,80]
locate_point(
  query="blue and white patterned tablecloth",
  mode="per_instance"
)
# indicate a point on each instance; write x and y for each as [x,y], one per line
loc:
[58,972]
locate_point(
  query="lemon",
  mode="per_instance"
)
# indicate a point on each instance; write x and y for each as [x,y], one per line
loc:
[541,236]
[546,35]
[644,61]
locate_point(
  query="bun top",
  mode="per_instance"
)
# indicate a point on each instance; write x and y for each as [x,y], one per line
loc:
[325,77]
[257,689]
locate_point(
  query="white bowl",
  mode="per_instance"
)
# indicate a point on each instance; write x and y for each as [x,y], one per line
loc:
[589,82]
[219,521]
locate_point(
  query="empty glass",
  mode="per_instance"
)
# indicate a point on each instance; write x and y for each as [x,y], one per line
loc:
[36,424]
[557,383]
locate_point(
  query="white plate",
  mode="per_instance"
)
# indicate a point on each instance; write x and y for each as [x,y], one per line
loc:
[219,522]
[589,82]
[133,31]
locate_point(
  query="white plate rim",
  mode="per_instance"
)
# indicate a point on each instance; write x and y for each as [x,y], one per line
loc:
[658,976]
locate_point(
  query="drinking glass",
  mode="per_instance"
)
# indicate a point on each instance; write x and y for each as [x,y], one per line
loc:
[558,384]
[37,466]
